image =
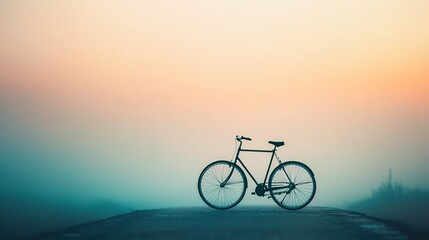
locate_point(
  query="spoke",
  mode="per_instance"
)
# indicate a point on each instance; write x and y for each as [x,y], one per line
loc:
[210,188]
[284,198]
[293,173]
[231,183]
[210,181]
[212,175]
[303,175]
[303,183]
[303,197]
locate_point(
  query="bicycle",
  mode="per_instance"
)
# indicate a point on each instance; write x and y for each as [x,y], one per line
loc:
[222,184]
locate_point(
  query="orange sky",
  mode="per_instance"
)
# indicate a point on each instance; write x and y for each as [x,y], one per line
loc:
[312,72]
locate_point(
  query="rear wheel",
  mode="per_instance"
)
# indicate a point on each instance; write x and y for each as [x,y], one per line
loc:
[217,193]
[292,185]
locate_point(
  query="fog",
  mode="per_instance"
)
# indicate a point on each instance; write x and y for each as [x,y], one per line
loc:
[110,107]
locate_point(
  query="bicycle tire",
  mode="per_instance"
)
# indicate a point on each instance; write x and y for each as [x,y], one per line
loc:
[213,194]
[304,185]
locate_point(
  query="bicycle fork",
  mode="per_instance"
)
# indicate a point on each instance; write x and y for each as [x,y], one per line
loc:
[222,184]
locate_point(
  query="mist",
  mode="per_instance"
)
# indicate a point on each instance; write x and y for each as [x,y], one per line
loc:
[107,108]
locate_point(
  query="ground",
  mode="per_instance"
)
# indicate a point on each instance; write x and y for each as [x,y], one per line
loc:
[237,223]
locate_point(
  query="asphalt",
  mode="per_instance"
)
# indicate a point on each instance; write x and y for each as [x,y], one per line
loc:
[237,223]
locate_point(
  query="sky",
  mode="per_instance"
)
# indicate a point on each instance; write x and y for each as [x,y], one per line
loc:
[127,101]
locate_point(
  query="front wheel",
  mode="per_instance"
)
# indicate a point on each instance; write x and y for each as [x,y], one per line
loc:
[218,193]
[292,185]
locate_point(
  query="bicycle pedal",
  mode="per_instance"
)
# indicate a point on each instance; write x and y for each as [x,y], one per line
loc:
[253,193]
[269,197]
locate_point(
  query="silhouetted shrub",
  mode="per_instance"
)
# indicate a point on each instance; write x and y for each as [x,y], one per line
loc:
[395,202]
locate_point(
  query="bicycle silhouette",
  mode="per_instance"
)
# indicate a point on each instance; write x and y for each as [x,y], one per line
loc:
[222,184]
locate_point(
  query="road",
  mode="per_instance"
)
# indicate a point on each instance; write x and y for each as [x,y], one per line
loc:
[237,223]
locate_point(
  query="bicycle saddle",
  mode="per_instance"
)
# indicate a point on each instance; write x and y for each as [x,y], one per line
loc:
[277,144]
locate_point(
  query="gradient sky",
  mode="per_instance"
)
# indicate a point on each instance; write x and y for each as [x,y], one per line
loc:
[129,100]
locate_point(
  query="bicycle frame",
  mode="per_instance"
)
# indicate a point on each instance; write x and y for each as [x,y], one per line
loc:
[237,159]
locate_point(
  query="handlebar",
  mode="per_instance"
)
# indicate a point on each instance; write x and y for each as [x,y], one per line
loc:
[239,138]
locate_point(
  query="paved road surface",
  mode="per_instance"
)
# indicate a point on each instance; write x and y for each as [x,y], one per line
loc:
[237,223]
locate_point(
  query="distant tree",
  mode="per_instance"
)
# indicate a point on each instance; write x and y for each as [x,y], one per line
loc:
[396,202]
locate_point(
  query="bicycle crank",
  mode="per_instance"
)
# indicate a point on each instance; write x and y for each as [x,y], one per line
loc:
[261,189]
